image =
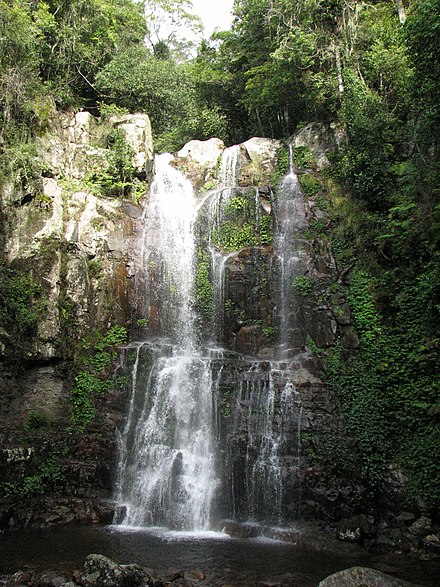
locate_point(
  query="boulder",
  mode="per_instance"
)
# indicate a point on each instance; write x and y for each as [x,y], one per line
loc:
[421,527]
[262,154]
[100,571]
[362,577]
[204,153]
[320,139]
[356,528]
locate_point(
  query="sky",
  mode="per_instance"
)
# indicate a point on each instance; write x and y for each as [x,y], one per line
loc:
[214,13]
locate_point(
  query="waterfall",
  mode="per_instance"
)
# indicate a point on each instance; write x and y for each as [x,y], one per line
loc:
[264,442]
[229,173]
[210,433]
[291,255]
[166,470]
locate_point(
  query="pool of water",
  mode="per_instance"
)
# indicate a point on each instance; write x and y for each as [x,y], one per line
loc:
[240,562]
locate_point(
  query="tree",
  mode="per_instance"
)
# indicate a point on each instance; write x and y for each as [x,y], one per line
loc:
[78,38]
[172,24]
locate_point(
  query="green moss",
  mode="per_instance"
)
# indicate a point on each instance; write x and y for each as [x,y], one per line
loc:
[303,157]
[48,477]
[204,292]
[265,230]
[231,237]
[94,379]
[282,166]
[208,186]
[310,184]
[18,294]
[302,285]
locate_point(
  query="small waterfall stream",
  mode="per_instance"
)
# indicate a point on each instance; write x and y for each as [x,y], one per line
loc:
[291,255]
[218,202]
[209,433]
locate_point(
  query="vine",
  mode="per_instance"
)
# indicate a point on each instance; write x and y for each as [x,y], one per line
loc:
[94,380]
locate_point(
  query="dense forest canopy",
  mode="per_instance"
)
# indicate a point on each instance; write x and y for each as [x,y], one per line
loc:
[374,69]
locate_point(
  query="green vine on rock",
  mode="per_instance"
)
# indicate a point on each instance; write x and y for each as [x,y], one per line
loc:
[204,291]
[95,379]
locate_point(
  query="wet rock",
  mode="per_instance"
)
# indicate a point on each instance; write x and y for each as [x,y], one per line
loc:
[320,139]
[237,530]
[421,527]
[405,519]
[19,578]
[362,577]
[356,528]
[384,544]
[100,571]
[432,543]
[172,576]
[263,154]
[51,579]
[137,130]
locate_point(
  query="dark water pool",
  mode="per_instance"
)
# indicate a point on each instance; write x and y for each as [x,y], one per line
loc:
[223,560]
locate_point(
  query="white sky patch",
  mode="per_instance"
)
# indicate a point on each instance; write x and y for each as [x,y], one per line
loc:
[214,14]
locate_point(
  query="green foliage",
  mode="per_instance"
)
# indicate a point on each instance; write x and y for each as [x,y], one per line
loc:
[389,389]
[38,425]
[49,477]
[310,184]
[94,267]
[94,380]
[282,166]
[139,82]
[269,332]
[116,336]
[303,157]
[312,347]
[17,295]
[231,237]
[302,285]
[86,384]
[265,230]
[204,293]
[118,180]
[421,34]
[364,309]
[100,361]
[240,226]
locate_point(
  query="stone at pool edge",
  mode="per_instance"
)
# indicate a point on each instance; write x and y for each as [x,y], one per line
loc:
[100,571]
[363,577]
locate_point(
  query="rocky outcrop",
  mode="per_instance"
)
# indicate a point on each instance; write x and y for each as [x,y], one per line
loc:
[76,145]
[73,243]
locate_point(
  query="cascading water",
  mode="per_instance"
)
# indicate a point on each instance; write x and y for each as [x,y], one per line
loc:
[218,202]
[291,255]
[166,468]
[170,469]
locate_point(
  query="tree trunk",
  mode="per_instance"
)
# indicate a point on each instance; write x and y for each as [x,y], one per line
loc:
[401,11]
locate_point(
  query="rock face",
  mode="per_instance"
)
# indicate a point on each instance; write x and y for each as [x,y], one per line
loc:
[277,422]
[73,243]
[267,330]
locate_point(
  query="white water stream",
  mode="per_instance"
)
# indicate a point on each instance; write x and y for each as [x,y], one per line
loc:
[166,470]
[169,471]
